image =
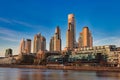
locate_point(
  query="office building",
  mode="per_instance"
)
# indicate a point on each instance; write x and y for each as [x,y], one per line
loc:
[28,46]
[55,41]
[25,46]
[39,43]
[85,38]
[71,33]
[22,46]
[51,44]
[43,43]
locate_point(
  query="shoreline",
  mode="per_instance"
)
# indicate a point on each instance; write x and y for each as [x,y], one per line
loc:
[59,67]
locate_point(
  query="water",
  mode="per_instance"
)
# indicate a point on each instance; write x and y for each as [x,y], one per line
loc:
[46,74]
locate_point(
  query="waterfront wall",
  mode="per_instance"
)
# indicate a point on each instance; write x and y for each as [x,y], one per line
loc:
[61,67]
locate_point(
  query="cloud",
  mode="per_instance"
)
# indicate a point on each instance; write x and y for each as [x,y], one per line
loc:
[108,41]
[8,39]
[8,32]
[5,20]
[11,35]
[23,23]
[12,21]
[8,35]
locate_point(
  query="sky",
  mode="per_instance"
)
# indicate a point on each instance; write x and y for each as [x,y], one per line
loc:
[25,18]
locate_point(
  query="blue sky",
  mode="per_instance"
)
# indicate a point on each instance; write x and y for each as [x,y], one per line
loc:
[25,18]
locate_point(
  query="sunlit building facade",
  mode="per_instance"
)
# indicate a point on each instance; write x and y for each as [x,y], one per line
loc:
[39,43]
[43,43]
[51,44]
[71,33]
[85,38]
[55,42]
[25,46]
[28,46]
[22,46]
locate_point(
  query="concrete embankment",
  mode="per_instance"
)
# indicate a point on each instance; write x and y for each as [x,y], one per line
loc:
[61,67]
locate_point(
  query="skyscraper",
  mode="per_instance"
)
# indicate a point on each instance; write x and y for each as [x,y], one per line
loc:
[43,43]
[52,44]
[85,38]
[25,46]
[39,43]
[22,46]
[28,46]
[91,39]
[36,43]
[71,33]
[80,41]
[55,41]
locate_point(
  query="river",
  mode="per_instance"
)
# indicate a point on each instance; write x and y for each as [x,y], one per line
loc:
[49,74]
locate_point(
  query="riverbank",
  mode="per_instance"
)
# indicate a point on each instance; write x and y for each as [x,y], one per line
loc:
[61,67]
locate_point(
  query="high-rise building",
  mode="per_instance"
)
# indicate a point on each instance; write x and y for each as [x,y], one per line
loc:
[71,33]
[28,46]
[39,43]
[43,43]
[52,44]
[25,46]
[22,46]
[91,39]
[55,42]
[8,53]
[80,41]
[36,43]
[85,38]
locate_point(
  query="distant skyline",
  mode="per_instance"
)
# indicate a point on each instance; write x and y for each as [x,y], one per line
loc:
[25,18]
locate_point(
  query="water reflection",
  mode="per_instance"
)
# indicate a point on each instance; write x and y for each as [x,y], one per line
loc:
[108,74]
[42,74]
